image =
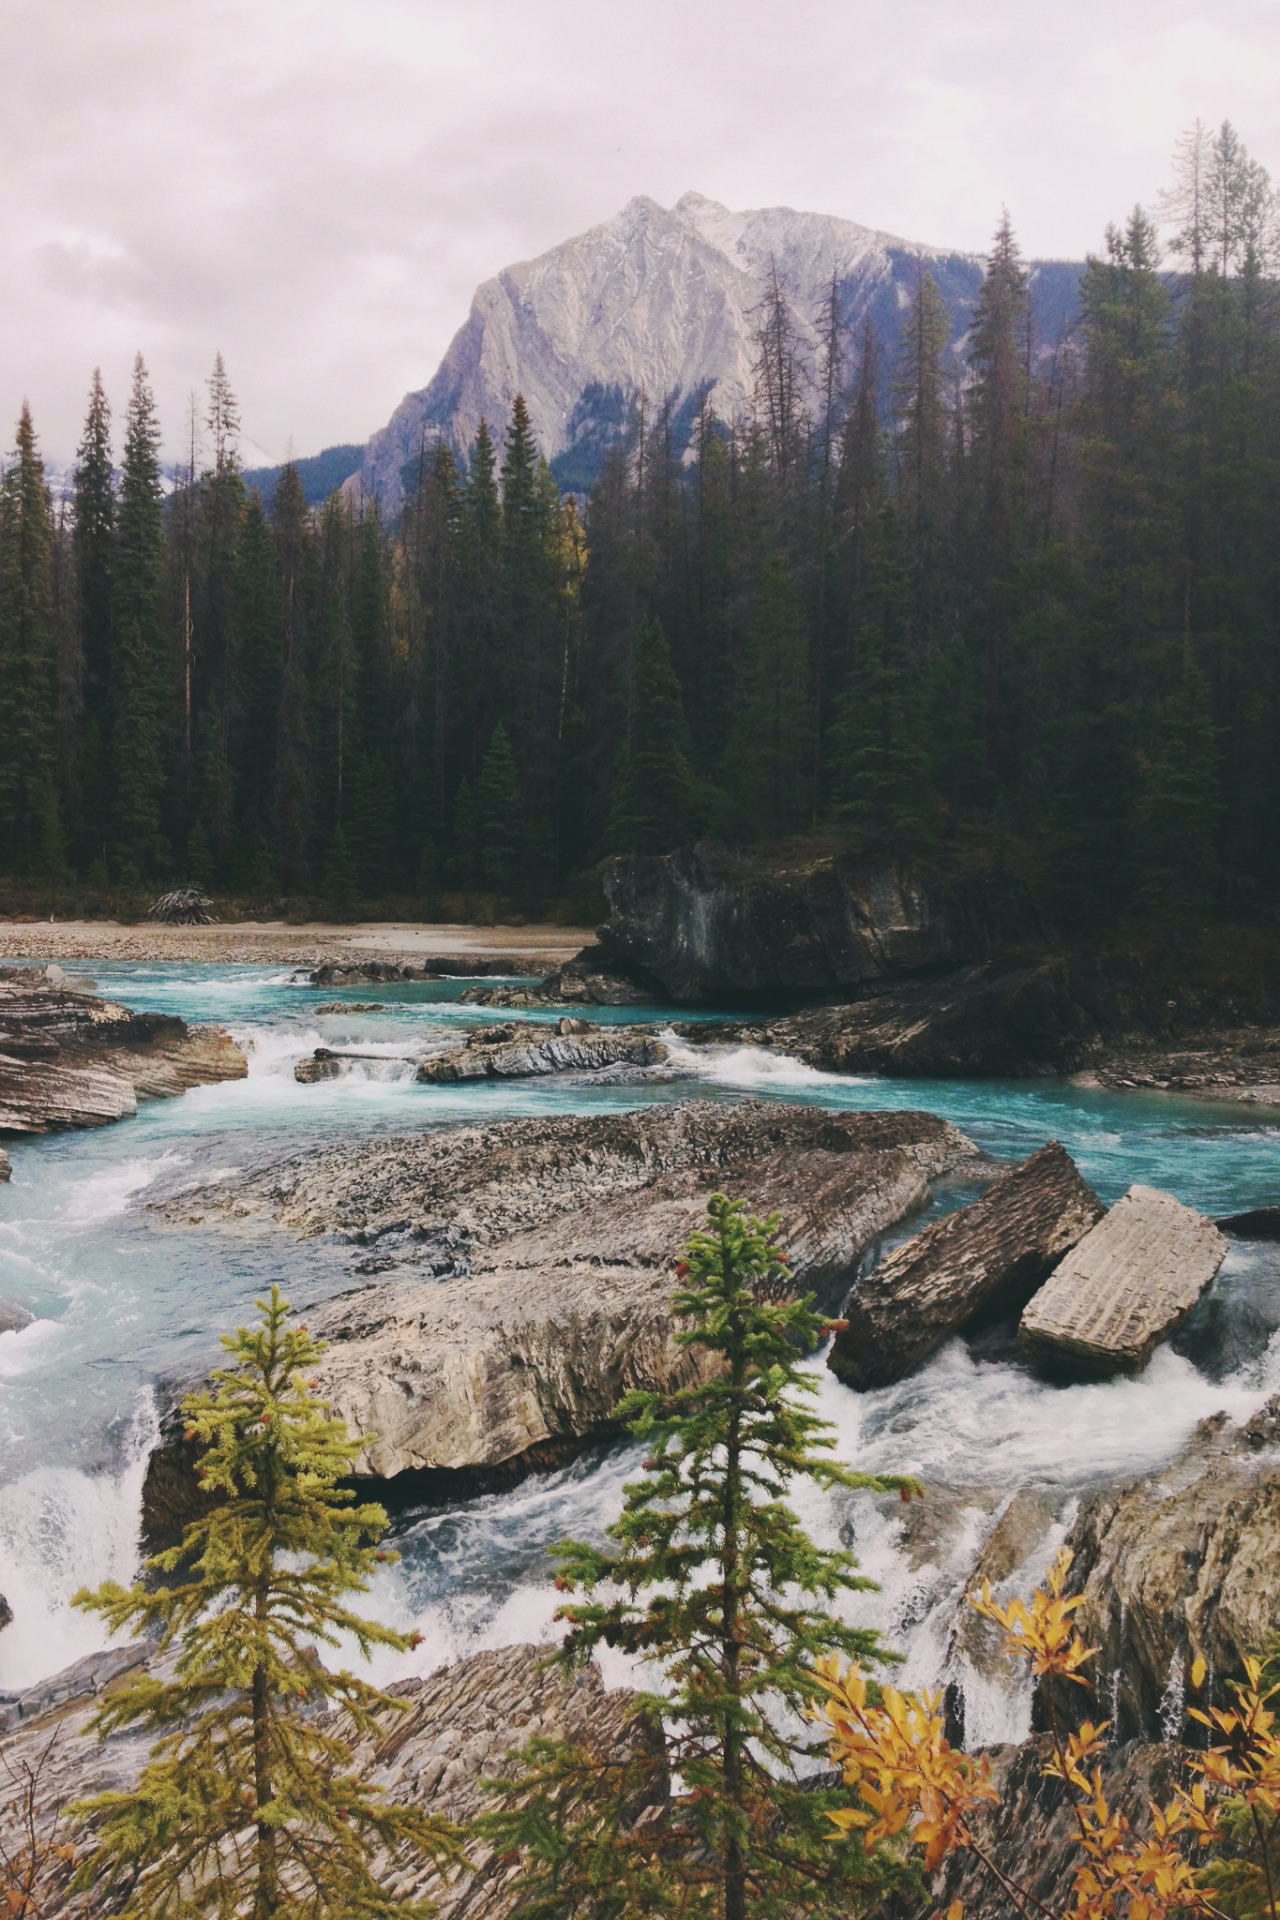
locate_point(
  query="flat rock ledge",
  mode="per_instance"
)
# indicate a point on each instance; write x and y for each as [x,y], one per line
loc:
[1130,1282]
[70,1059]
[985,1259]
[462,1723]
[556,1240]
[524,1052]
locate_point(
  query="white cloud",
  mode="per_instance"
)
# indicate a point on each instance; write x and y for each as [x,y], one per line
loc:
[315,188]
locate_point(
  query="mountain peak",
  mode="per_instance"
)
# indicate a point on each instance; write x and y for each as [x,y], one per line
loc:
[660,302]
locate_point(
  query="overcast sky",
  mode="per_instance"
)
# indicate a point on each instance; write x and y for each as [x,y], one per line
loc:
[315,187]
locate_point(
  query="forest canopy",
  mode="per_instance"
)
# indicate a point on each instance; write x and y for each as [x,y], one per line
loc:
[1029,591]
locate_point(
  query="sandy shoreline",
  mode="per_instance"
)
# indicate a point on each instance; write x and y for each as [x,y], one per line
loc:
[539,948]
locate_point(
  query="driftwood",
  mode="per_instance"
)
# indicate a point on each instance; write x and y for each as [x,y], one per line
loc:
[184,907]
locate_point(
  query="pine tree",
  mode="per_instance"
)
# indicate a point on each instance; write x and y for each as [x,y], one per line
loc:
[499,815]
[258,689]
[29,823]
[997,405]
[767,764]
[137,641]
[924,493]
[93,517]
[720,1588]
[292,796]
[248,1806]
[656,799]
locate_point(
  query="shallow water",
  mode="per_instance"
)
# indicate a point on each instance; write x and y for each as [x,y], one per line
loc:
[121,1303]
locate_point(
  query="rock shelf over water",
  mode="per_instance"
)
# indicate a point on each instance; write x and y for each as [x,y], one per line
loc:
[1129,1283]
[556,1238]
[72,1059]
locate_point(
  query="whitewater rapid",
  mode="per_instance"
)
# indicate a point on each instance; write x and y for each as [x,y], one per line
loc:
[123,1302]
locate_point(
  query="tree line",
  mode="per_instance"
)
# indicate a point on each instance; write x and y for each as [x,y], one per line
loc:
[1027,592]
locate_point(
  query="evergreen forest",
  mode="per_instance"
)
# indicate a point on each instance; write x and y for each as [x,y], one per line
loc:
[1026,596]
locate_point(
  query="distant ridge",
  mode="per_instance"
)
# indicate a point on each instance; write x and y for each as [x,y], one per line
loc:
[658,301]
[319,473]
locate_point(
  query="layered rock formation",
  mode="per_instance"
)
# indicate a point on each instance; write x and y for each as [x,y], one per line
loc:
[1130,1282]
[459,1726]
[70,1059]
[717,925]
[1180,1563]
[527,1051]
[560,1235]
[986,1259]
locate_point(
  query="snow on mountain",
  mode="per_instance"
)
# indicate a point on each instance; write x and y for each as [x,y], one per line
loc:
[659,302]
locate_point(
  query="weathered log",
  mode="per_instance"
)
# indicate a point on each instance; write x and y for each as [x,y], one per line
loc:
[1130,1283]
[987,1258]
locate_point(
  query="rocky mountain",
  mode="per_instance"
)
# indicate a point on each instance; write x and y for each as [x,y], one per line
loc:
[658,302]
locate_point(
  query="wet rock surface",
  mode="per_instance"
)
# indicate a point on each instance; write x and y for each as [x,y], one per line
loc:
[586,980]
[1183,1562]
[13,1317]
[1105,1023]
[432,966]
[986,1259]
[1032,1832]
[6,1170]
[527,1051]
[71,1059]
[1128,1284]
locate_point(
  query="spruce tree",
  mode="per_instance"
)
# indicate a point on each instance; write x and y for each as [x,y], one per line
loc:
[656,803]
[464,865]
[499,815]
[137,641]
[30,828]
[711,1578]
[93,515]
[249,1806]
[292,792]
[879,765]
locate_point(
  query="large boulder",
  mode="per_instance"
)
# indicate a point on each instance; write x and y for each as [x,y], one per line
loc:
[1180,1563]
[70,1059]
[716,925]
[1130,1282]
[986,1259]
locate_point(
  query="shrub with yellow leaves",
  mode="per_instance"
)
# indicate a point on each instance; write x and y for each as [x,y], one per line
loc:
[915,1792]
